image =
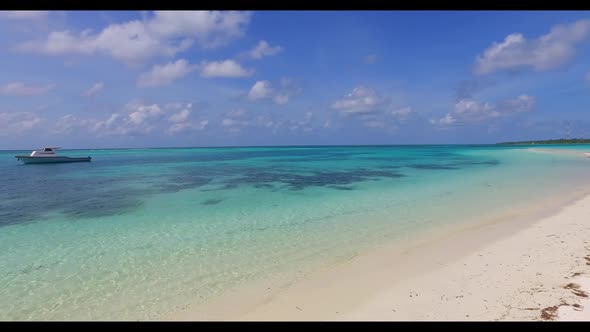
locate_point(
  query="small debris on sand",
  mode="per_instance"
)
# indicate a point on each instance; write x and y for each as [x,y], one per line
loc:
[549,313]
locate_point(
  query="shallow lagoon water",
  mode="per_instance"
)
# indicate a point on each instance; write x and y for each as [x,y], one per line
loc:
[141,233]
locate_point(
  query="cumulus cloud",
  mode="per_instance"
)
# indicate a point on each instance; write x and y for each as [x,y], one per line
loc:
[280,95]
[362,99]
[129,42]
[165,74]
[473,111]
[232,122]
[140,119]
[225,68]
[263,49]
[24,14]
[466,106]
[446,120]
[16,123]
[111,126]
[303,124]
[94,89]
[366,106]
[136,119]
[168,73]
[186,126]
[522,103]
[260,90]
[142,113]
[181,122]
[546,52]
[25,89]
[281,99]
[181,116]
[374,124]
[69,123]
[163,33]
[237,120]
[403,113]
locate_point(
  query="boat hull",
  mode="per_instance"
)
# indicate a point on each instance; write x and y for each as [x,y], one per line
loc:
[51,160]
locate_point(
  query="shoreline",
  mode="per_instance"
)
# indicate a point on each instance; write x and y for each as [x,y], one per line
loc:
[482,271]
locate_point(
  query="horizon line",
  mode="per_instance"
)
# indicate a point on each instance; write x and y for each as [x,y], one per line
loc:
[283,146]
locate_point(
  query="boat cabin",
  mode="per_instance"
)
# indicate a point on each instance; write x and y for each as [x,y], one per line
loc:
[45,152]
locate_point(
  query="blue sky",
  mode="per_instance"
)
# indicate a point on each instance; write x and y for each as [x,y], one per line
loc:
[148,79]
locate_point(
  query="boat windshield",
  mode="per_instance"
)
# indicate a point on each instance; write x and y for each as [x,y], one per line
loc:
[47,150]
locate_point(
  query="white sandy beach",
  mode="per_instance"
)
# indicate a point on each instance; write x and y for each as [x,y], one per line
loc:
[531,265]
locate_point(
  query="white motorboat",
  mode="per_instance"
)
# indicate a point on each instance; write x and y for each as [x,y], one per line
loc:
[47,156]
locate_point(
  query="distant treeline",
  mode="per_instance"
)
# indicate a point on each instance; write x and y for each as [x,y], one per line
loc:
[553,141]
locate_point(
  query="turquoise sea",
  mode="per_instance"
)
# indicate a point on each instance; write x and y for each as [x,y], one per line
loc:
[144,233]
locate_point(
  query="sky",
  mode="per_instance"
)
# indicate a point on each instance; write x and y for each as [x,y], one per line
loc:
[107,79]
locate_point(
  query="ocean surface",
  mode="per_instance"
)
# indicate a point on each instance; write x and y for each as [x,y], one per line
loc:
[143,233]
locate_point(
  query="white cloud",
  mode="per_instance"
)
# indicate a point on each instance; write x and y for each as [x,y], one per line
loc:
[232,122]
[17,123]
[403,113]
[24,14]
[260,90]
[522,103]
[165,74]
[94,89]
[237,120]
[129,42]
[280,95]
[235,126]
[281,99]
[24,89]
[61,42]
[177,106]
[225,68]
[140,119]
[182,127]
[237,113]
[263,49]
[469,106]
[144,112]
[68,123]
[374,124]
[446,120]
[181,116]
[361,100]
[210,28]
[473,111]
[304,124]
[110,126]
[165,33]
[546,52]
[365,105]
[371,59]
[137,119]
